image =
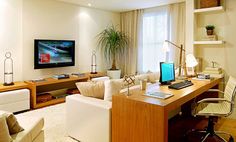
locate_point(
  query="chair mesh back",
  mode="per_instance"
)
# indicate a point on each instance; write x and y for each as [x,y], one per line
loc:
[230,89]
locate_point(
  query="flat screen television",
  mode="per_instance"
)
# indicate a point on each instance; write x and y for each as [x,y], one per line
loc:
[53,53]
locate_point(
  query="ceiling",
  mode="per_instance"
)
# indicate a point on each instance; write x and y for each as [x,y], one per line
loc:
[121,5]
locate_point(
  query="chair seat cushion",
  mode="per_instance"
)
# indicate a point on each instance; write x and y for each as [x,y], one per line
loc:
[213,109]
[32,127]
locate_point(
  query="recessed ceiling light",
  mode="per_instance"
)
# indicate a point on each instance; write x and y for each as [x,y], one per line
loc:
[89,4]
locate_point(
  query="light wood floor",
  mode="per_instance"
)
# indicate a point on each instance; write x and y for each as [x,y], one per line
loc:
[227,125]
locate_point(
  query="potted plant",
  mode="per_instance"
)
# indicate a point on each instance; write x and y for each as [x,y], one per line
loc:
[210,29]
[112,43]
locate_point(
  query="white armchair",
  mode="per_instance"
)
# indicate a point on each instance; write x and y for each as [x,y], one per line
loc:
[88,119]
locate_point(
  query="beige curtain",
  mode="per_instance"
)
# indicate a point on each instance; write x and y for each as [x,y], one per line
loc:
[131,25]
[176,29]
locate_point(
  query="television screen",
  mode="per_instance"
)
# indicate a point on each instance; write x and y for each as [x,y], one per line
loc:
[54,53]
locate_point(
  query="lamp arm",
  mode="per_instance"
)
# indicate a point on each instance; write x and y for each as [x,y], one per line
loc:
[175,45]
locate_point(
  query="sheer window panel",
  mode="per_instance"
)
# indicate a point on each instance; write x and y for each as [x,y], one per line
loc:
[154,33]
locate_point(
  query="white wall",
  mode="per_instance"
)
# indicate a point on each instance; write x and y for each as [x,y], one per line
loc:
[49,19]
[11,35]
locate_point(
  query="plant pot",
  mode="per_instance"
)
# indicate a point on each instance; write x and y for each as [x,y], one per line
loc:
[114,74]
[210,32]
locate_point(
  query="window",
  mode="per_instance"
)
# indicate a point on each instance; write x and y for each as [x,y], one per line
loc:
[154,33]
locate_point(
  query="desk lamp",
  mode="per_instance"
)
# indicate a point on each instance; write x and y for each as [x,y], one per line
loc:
[166,49]
[191,62]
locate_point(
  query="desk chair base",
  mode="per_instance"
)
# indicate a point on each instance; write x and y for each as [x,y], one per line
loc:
[210,132]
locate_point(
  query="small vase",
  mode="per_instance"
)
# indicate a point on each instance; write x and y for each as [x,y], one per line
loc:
[210,32]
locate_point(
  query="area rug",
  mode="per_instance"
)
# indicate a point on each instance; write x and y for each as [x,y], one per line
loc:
[54,126]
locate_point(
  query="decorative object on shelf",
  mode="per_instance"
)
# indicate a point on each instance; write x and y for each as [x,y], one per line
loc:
[113,43]
[182,63]
[213,64]
[211,38]
[93,63]
[209,3]
[129,80]
[8,70]
[191,62]
[210,29]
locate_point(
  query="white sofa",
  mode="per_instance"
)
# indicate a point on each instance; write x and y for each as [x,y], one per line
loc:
[89,119]
[33,129]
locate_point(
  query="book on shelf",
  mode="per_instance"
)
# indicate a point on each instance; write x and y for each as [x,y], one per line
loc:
[213,69]
[78,74]
[217,75]
[202,79]
[212,72]
[38,80]
[61,76]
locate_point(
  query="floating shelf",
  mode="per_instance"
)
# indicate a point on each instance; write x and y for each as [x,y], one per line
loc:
[209,42]
[212,9]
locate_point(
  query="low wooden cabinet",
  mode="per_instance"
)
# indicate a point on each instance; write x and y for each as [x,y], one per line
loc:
[16,86]
[51,84]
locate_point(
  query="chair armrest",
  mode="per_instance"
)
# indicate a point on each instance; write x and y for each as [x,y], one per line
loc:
[215,90]
[214,100]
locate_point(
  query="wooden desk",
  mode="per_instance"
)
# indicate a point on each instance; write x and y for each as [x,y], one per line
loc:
[139,118]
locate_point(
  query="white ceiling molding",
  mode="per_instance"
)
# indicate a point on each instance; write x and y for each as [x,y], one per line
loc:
[121,5]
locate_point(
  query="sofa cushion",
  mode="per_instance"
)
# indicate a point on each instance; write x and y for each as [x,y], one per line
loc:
[140,77]
[112,87]
[4,132]
[91,89]
[33,127]
[153,77]
[104,78]
[12,123]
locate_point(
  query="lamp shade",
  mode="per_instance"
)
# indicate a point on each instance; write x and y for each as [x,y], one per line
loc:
[191,61]
[166,47]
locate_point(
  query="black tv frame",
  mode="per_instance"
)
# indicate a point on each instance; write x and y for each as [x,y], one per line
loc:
[55,65]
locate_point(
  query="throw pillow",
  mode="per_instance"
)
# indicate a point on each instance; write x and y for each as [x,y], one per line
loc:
[112,87]
[4,132]
[153,76]
[91,89]
[104,78]
[12,123]
[140,77]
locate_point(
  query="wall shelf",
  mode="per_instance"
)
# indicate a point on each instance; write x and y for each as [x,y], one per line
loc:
[212,9]
[218,42]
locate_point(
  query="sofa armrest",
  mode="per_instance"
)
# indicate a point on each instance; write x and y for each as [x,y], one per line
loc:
[86,117]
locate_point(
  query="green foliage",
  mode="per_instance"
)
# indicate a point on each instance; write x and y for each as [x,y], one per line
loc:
[210,27]
[112,43]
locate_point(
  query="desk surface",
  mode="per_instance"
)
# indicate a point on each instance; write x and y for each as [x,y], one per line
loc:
[139,118]
[179,96]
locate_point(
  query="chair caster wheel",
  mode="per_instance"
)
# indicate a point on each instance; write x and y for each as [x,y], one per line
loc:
[231,139]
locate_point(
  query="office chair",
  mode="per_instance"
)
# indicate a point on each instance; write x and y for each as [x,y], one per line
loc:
[216,107]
